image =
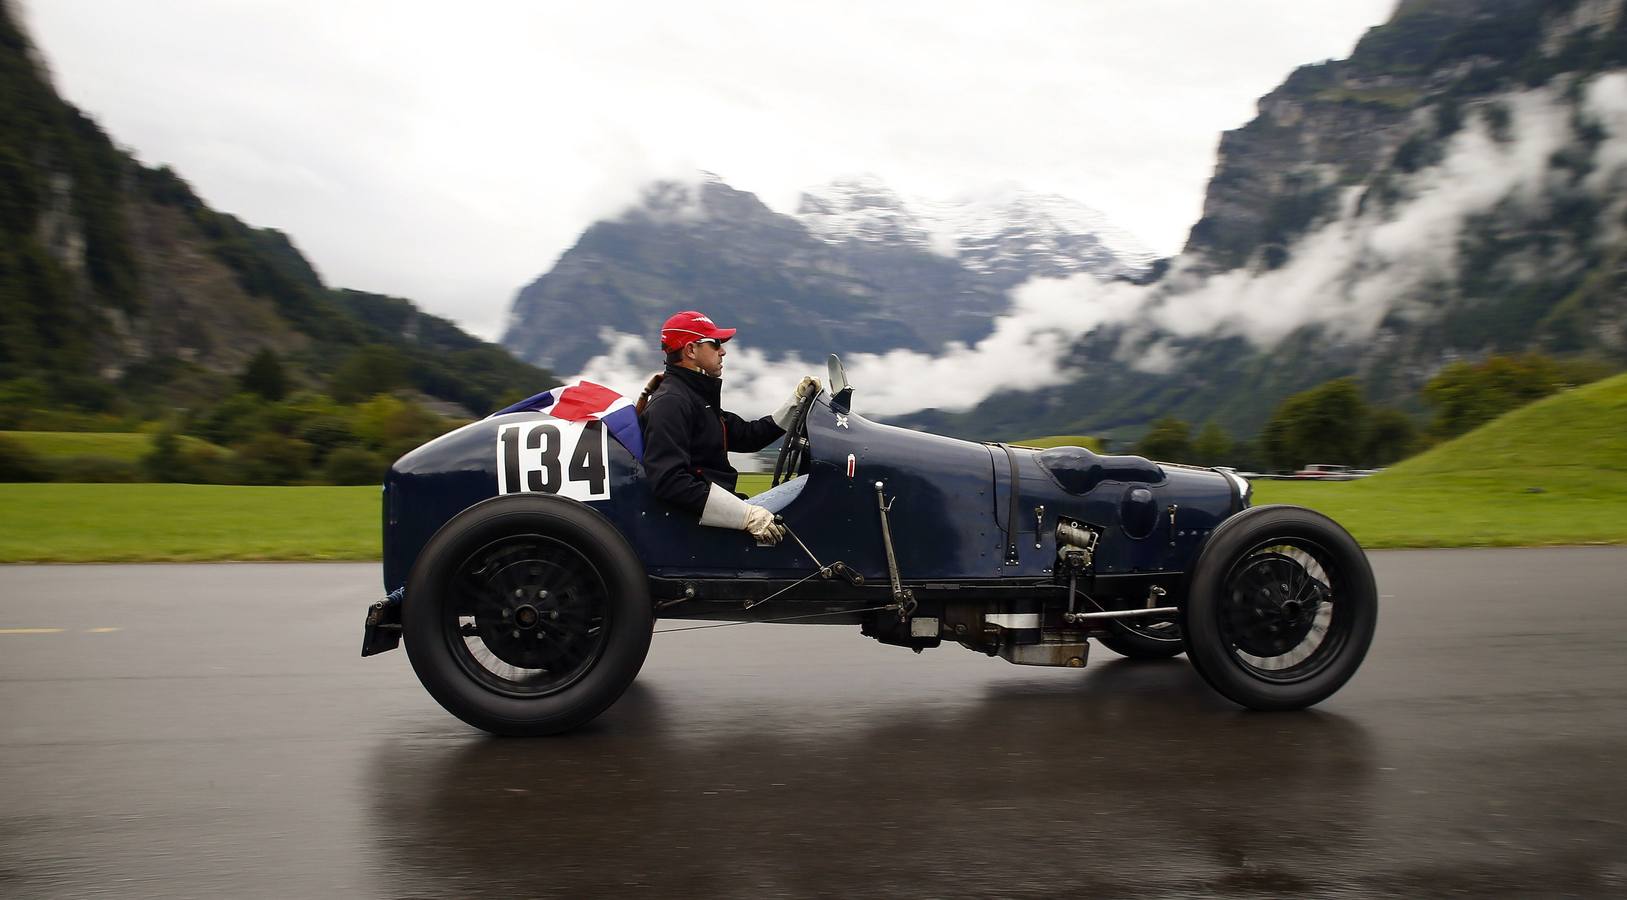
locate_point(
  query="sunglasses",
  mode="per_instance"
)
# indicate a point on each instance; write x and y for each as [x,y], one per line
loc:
[713,341]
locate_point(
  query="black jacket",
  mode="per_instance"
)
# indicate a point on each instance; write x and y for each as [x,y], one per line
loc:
[688,436]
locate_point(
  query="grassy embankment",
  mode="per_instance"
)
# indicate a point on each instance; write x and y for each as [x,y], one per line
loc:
[1554,472]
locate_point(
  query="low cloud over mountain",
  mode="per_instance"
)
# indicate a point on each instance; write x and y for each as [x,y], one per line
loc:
[1453,189]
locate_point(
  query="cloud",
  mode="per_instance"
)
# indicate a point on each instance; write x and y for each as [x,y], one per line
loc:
[1368,262]
[1348,274]
[450,153]
[1025,349]
[1606,105]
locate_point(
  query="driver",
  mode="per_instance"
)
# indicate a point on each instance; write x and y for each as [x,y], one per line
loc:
[687,433]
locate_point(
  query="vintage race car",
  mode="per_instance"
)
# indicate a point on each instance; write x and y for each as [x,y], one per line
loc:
[526,561]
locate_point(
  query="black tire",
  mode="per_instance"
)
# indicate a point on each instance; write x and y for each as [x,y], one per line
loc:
[1143,641]
[1280,609]
[565,579]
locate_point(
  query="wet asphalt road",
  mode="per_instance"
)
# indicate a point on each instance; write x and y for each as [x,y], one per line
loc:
[208,730]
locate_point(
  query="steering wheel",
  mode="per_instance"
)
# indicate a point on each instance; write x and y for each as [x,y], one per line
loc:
[795,447]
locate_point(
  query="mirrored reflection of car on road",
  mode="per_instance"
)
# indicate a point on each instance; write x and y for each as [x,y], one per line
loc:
[526,561]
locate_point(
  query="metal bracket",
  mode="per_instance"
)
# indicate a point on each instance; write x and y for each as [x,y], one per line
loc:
[1154,595]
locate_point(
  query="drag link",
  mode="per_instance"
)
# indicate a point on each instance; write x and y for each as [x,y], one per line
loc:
[1120,614]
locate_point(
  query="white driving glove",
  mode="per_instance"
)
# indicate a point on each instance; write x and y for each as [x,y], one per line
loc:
[782,416]
[725,510]
[760,522]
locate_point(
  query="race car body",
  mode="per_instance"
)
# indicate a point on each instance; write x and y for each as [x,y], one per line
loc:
[525,556]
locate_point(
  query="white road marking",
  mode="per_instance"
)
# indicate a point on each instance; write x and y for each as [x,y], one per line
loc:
[102,630]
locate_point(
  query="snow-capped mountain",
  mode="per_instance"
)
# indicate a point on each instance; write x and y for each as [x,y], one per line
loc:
[1011,235]
[865,209]
[856,268]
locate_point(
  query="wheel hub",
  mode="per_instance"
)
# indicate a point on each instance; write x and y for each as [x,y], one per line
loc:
[514,624]
[1274,606]
[526,617]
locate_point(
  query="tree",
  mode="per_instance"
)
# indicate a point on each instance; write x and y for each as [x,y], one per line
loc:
[18,398]
[393,426]
[1170,439]
[328,434]
[270,458]
[1326,424]
[166,461]
[353,465]
[234,420]
[1391,436]
[370,371]
[1468,395]
[1212,446]
[264,375]
[19,463]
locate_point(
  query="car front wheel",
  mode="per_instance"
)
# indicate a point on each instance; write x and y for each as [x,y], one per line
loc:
[1281,608]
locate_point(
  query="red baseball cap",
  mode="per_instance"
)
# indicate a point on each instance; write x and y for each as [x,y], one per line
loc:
[690,326]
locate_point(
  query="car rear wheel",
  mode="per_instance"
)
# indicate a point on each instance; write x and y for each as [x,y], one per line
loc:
[527,615]
[1281,608]
[1143,640]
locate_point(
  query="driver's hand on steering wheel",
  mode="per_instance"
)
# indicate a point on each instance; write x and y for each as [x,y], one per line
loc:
[807,387]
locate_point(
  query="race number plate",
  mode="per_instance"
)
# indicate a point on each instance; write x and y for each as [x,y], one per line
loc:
[553,456]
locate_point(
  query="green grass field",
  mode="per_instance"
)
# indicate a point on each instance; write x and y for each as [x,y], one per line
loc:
[129,447]
[753,483]
[1554,472]
[150,522]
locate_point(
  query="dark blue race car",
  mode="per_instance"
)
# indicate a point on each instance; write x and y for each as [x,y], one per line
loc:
[526,562]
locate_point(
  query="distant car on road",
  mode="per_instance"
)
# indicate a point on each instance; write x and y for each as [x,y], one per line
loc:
[1326,472]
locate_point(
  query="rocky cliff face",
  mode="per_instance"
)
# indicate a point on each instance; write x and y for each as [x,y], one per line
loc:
[1384,112]
[116,277]
[1457,187]
[857,268]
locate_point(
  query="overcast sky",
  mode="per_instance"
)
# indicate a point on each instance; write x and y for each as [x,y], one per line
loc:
[450,152]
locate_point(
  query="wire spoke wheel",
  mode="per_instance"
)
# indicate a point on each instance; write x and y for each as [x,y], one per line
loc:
[1280,611]
[1142,638]
[1281,608]
[1152,630]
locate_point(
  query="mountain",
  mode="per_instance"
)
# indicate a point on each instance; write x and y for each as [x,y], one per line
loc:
[1008,236]
[118,284]
[1457,187]
[856,268]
